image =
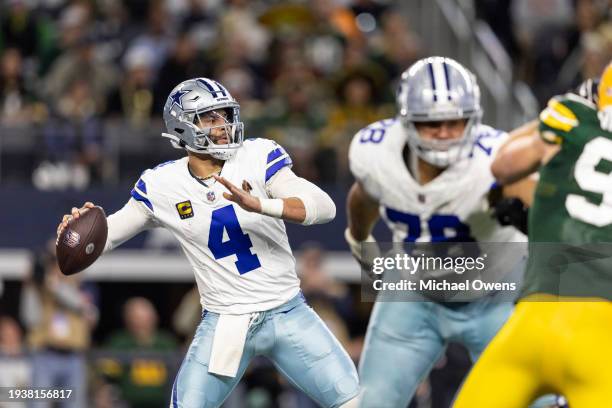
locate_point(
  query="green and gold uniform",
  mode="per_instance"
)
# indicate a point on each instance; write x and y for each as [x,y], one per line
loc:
[570,222]
[559,338]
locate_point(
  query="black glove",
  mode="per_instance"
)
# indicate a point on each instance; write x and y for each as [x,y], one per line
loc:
[512,211]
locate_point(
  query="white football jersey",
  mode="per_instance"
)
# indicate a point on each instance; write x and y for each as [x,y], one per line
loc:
[452,207]
[242,260]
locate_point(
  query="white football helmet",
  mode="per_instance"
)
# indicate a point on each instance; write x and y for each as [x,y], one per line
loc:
[437,89]
[183,109]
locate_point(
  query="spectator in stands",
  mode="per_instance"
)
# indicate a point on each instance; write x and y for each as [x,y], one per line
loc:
[73,140]
[64,33]
[144,380]
[241,28]
[188,315]
[19,27]
[294,121]
[59,313]
[199,18]
[16,100]
[81,62]
[157,36]
[133,99]
[396,47]
[185,61]
[596,53]
[15,370]
[356,108]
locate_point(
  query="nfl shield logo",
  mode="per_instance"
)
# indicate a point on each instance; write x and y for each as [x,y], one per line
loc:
[210,196]
[72,238]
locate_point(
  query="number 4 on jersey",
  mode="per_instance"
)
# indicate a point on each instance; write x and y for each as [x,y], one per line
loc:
[238,244]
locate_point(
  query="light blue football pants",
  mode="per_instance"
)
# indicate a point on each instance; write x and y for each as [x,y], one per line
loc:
[405,339]
[296,340]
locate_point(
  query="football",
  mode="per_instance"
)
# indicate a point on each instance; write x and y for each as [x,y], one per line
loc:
[82,241]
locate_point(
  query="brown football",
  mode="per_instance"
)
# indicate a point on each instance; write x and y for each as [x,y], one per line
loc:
[82,241]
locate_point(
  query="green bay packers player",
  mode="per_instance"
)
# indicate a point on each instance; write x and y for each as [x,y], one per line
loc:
[559,337]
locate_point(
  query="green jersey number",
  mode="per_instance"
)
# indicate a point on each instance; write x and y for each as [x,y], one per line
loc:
[594,181]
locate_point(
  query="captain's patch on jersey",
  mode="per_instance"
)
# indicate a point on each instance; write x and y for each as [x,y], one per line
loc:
[184,209]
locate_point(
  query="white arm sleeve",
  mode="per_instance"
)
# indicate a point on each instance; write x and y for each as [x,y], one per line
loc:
[127,222]
[319,206]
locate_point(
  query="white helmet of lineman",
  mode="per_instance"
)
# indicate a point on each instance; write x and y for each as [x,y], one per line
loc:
[439,89]
[182,111]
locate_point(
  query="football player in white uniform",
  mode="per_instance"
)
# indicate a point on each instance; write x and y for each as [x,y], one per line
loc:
[427,174]
[235,239]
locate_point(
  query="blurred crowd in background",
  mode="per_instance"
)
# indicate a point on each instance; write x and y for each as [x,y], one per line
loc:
[79,74]
[81,77]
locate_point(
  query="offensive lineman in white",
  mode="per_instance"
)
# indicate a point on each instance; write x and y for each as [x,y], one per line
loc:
[426,173]
[236,242]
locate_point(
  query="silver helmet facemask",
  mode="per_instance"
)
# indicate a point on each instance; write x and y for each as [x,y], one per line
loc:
[433,90]
[186,110]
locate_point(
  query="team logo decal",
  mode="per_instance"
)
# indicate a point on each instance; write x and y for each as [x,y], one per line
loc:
[177,97]
[72,238]
[184,209]
[210,196]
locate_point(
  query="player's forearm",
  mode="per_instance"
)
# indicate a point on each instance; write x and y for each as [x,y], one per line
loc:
[293,210]
[362,212]
[125,223]
[302,201]
[523,189]
[520,156]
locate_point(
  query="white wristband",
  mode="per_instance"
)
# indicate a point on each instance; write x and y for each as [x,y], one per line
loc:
[272,207]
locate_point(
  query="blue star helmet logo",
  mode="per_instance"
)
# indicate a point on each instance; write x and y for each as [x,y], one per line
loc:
[177,96]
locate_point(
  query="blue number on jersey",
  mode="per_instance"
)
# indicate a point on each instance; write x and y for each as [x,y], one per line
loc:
[374,134]
[479,142]
[238,244]
[412,221]
[437,224]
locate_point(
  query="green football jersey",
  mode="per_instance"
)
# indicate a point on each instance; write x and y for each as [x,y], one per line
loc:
[570,221]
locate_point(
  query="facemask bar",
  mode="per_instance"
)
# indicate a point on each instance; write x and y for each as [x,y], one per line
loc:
[442,153]
[232,128]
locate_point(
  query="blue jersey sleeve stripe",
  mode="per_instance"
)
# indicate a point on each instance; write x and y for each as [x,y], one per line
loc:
[275,154]
[273,169]
[138,197]
[141,186]
[277,158]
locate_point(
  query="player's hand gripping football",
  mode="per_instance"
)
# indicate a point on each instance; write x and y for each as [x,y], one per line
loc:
[242,197]
[74,214]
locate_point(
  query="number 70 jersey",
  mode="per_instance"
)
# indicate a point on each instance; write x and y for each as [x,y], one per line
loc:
[242,261]
[451,207]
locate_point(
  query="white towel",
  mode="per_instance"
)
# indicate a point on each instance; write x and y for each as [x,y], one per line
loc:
[228,344]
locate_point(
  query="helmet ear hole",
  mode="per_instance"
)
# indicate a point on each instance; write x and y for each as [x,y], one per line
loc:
[179,130]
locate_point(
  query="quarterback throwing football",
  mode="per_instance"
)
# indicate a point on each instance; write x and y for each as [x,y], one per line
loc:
[225,203]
